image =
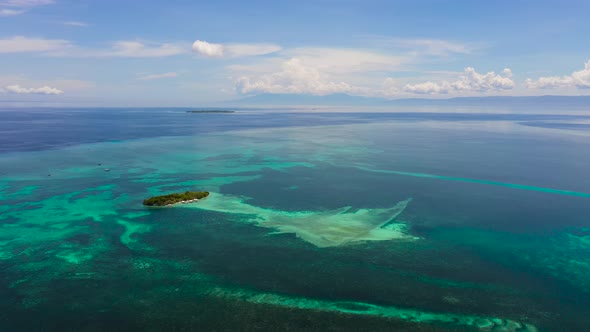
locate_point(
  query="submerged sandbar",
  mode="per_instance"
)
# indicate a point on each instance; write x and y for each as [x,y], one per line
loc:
[328,228]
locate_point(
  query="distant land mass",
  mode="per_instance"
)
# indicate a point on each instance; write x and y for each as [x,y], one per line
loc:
[348,100]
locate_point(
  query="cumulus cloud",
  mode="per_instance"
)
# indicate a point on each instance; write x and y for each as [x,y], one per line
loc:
[579,79]
[233,50]
[354,66]
[158,76]
[428,88]
[363,72]
[470,81]
[21,44]
[208,49]
[44,90]
[294,78]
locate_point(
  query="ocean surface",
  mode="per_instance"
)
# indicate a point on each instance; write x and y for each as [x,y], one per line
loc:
[331,221]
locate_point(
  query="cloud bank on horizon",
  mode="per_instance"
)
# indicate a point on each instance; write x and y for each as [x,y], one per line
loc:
[44,90]
[469,81]
[579,79]
[47,44]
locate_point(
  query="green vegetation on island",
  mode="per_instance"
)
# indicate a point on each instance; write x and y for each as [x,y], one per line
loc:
[186,197]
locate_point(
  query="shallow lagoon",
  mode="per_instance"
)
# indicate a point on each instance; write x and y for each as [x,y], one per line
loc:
[359,221]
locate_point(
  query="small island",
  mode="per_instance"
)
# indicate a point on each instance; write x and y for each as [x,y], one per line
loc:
[186,197]
[211,111]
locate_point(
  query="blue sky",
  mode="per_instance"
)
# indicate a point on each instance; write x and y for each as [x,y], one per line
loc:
[201,52]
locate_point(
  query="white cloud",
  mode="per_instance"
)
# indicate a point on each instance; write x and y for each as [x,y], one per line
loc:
[240,50]
[18,7]
[358,71]
[549,82]
[44,90]
[125,49]
[433,46]
[579,79]
[294,78]
[348,60]
[158,76]
[233,50]
[69,85]
[21,44]
[470,81]
[208,49]
[364,72]
[11,12]
[317,71]
[58,47]
[75,24]
[135,49]
[428,88]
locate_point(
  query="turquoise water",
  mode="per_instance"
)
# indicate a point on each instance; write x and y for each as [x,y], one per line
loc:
[341,222]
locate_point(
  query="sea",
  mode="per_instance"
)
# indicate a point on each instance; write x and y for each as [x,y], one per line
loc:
[326,219]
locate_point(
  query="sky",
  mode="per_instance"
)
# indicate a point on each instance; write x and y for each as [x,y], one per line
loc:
[191,53]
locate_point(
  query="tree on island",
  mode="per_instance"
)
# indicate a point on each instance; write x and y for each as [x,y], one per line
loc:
[175,198]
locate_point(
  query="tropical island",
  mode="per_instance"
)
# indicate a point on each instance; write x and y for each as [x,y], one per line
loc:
[211,111]
[186,197]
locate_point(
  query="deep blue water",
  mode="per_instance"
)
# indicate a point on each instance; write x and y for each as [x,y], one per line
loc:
[31,129]
[496,236]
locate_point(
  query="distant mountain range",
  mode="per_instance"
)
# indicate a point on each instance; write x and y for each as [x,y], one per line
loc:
[348,100]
